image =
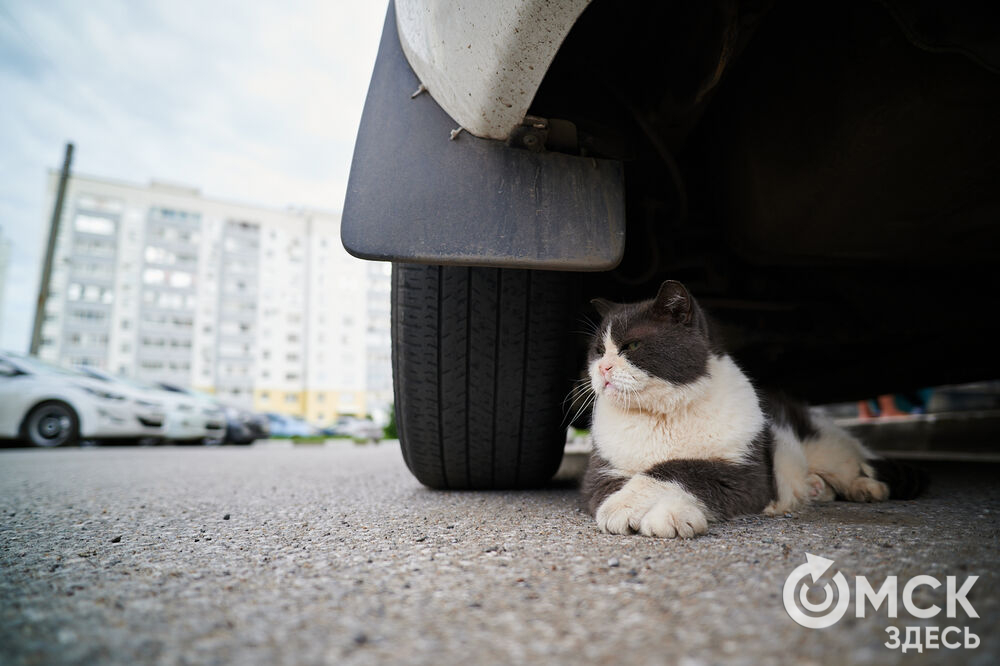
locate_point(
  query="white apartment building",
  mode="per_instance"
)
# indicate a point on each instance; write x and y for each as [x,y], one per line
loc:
[261,307]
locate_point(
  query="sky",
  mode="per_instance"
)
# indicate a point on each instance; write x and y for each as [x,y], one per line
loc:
[256,102]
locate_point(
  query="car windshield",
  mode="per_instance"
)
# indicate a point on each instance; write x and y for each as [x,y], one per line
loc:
[105,377]
[96,374]
[136,383]
[39,367]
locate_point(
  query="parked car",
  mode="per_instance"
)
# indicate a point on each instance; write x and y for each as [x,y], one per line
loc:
[184,423]
[150,404]
[202,409]
[822,176]
[283,425]
[245,427]
[350,426]
[47,405]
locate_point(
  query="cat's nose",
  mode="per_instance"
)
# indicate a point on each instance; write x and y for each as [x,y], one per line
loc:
[604,367]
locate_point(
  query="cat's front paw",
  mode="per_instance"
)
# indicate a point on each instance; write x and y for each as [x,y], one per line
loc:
[622,511]
[653,508]
[674,516]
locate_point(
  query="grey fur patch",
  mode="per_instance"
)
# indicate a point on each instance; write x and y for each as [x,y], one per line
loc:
[671,334]
[599,481]
[785,412]
[727,489]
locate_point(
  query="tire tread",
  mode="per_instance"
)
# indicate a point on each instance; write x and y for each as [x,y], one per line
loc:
[479,371]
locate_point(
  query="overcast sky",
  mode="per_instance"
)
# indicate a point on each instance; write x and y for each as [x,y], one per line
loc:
[249,101]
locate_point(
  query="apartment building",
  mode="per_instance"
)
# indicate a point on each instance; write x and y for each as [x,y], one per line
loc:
[262,307]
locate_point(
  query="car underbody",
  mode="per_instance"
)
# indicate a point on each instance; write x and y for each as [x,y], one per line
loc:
[822,176]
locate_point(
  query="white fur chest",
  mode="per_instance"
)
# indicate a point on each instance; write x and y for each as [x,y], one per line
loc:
[718,421]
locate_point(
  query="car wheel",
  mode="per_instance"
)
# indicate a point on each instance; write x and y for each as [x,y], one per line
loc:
[51,424]
[481,364]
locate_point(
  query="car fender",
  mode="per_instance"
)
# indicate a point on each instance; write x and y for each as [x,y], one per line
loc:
[483,62]
[418,192]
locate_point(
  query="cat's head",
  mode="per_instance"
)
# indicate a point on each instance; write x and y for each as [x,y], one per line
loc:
[648,352]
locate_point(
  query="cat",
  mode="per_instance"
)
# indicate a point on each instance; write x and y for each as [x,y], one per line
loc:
[682,438]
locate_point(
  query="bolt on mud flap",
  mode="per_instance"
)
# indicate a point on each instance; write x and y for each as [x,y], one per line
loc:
[414,195]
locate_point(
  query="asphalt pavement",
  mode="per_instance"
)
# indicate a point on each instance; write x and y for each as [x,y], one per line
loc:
[334,554]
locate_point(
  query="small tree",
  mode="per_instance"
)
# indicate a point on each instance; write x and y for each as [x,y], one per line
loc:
[390,427]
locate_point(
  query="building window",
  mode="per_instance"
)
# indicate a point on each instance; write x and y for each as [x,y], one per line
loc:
[94,225]
[181,279]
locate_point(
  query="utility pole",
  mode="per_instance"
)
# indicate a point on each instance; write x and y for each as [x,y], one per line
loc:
[50,251]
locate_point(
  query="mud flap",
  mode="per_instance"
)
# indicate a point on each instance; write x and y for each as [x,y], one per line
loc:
[416,195]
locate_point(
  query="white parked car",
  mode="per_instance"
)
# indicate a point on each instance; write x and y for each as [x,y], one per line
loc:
[187,418]
[356,428]
[202,409]
[46,405]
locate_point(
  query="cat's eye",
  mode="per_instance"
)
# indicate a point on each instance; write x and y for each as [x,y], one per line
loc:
[632,346]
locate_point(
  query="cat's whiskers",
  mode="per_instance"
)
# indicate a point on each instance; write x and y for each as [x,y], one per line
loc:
[593,328]
[638,400]
[587,403]
[591,399]
[582,391]
[580,386]
[579,396]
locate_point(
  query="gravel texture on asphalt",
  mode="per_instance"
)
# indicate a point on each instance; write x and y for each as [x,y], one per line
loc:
[334,554]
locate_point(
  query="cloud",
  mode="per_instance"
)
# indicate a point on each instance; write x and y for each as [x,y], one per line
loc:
[252,102]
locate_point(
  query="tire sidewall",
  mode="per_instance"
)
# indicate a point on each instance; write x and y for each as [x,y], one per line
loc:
[45,414]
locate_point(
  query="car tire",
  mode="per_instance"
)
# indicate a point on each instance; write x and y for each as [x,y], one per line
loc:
[50,424]
[481,366]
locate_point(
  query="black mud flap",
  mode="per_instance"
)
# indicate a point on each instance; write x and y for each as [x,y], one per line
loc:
[414,195]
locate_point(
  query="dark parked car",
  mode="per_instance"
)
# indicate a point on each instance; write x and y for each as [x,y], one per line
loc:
[245,427]
[822,176]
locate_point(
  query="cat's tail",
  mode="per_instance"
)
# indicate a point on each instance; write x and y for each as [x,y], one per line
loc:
[905,481]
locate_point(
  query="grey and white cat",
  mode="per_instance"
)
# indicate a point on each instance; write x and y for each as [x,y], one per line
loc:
[682,438]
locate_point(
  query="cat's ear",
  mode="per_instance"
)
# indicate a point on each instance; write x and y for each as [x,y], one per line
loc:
[603,306]
[674,301]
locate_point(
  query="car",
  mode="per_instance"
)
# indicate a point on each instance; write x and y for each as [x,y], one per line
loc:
[284,425]
[350,426]
[203,412]
[150,406]
[821,176]
[245,427]
[184,422]
[48,405]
